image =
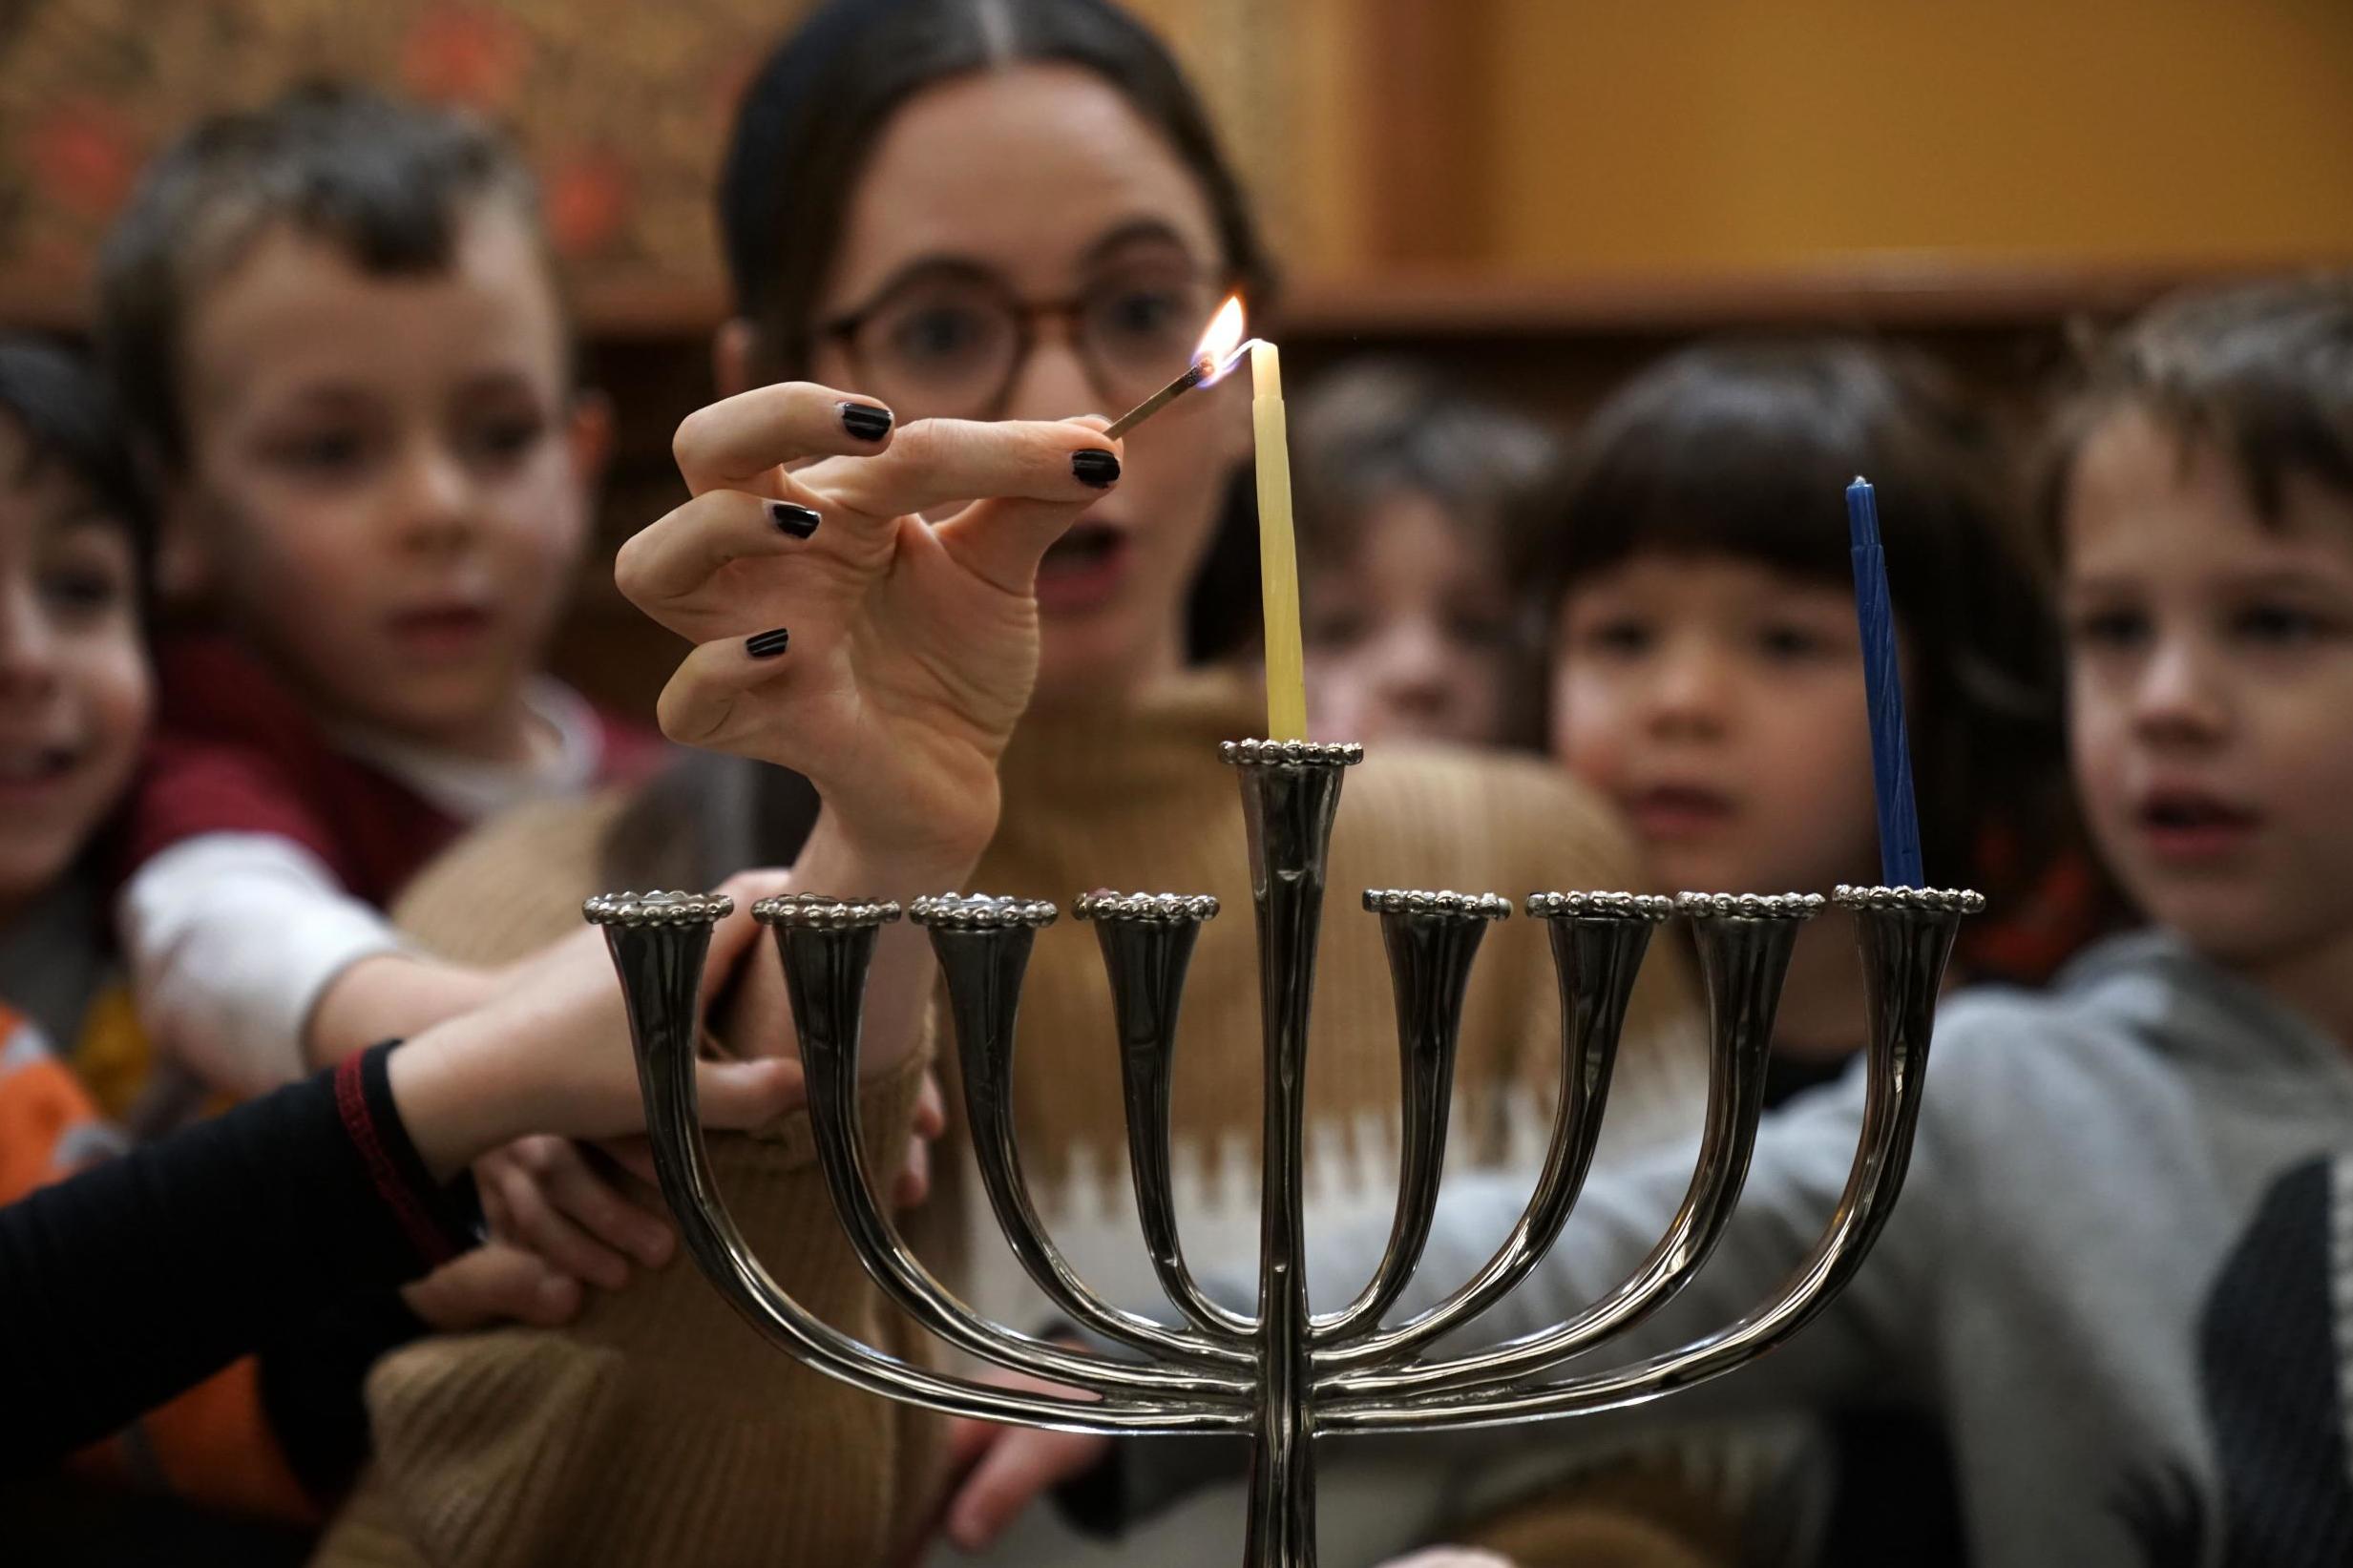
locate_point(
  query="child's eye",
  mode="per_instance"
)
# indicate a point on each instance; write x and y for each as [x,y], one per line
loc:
[2277,625]
[503,440]
[1337,628]
[1790,642]
[1625,635]
[80,592]
[324,453]
[2107,629]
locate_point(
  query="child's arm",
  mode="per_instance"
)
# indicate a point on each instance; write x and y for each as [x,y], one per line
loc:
[267,1214]
[254,966]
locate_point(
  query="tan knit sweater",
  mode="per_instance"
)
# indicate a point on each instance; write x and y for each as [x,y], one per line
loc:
[534,1448]
[660,1428]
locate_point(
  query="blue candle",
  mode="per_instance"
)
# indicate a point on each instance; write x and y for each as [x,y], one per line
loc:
[1891,753]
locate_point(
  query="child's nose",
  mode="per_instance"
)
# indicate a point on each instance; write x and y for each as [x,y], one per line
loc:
[1691,694]
[2179,698]
[28,645]
[434,501]
[1412,668]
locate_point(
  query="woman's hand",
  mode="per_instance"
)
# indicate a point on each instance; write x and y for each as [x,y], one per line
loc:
[552,1054]
[884,655]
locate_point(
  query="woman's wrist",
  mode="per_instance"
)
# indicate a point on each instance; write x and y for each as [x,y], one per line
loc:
[832,862]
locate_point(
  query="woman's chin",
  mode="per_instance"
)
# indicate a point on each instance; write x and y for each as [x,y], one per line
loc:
[1086,665]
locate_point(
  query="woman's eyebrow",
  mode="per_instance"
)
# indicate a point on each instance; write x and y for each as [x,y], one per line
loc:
[921,269]
[1136,231]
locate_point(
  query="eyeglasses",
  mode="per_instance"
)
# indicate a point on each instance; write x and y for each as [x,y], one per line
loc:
[951,340]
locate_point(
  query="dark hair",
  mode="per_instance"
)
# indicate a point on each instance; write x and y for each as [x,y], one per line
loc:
[818,106]
[69,420]
[2263,371]
[389,183]
[1745,450]
[1372,428]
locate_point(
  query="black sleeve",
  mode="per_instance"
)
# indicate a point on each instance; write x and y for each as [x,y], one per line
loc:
[126,1284]
[312,1388]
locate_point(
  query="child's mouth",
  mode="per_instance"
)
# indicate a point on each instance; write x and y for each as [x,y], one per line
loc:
[2193,825]
[441,631]
[1084,568]
[1678,811]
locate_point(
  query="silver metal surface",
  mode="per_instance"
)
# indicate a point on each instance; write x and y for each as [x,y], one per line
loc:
[1282,1373]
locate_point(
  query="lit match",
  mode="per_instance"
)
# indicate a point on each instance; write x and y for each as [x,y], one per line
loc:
[1220,350]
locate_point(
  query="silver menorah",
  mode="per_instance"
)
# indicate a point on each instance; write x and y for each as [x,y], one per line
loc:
[1286,1375]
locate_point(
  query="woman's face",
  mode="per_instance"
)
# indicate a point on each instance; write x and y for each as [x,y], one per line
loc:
[1039,186]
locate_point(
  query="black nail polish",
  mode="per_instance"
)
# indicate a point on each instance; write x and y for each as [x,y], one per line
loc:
[799,521]
[866,420]
[767,644]
[1096,467]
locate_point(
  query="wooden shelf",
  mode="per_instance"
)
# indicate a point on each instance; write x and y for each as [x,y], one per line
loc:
[1895,292]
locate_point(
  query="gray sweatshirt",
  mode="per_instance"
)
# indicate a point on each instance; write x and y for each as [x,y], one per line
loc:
[2121,1272]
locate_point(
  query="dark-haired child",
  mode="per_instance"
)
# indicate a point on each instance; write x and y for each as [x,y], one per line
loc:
[1403,490]
[2118,1272]
[77,532]
[1704,668]
[335,322]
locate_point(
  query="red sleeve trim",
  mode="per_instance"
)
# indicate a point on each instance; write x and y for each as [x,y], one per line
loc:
[415,1224]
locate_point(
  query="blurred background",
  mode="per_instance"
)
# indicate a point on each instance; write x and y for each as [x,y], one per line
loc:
[1537,194]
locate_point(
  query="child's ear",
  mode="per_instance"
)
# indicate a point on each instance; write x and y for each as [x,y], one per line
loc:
[735,348]
[589,434]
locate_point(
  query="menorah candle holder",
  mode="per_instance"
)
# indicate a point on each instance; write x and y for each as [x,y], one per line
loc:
[1285,1374]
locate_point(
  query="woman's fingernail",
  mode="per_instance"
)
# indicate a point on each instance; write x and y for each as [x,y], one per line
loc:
[799,521]
[866,420]
[768,644]
[1096,467]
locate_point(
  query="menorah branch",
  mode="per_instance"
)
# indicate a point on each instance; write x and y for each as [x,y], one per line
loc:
[1148,942]
[1598,940]
[827,949]
[658,942]
[1906,937]
[1432,939]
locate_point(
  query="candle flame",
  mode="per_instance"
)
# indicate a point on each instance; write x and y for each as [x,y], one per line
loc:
[1221,345]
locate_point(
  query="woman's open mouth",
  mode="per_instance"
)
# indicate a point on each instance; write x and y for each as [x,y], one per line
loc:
[1084,568]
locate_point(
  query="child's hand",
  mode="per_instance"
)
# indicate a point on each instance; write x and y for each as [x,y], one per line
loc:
[1000,1469]
[912,644]
[545,1194]
[551,1055]
[494,1284]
